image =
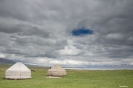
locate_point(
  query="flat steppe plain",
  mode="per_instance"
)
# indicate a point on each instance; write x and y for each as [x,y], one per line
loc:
[73,79]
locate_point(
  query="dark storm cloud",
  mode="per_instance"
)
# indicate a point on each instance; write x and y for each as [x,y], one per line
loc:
[15,9]
[24,30]
[32,30]
[9,29]
[42,30]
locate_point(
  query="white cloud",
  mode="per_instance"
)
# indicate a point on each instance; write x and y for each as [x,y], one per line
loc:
[115,36]
[2,55]
[69,50]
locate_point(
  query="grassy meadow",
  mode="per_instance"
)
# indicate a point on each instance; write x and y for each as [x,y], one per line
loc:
[74,79]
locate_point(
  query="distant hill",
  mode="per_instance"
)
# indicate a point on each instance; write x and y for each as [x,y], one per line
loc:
[6,61]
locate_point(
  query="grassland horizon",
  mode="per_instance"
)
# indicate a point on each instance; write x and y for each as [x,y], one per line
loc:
[73,79]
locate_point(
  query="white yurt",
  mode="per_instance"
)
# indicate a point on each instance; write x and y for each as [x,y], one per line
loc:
[18,71]
[56,70]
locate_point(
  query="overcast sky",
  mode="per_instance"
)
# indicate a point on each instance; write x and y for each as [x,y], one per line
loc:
[41,31]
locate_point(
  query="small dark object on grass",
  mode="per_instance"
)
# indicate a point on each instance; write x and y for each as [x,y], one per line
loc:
[33,70]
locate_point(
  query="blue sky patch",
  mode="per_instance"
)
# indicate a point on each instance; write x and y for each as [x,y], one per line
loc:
[81,31]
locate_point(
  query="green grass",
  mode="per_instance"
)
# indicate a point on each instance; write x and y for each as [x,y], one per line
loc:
[74,79]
